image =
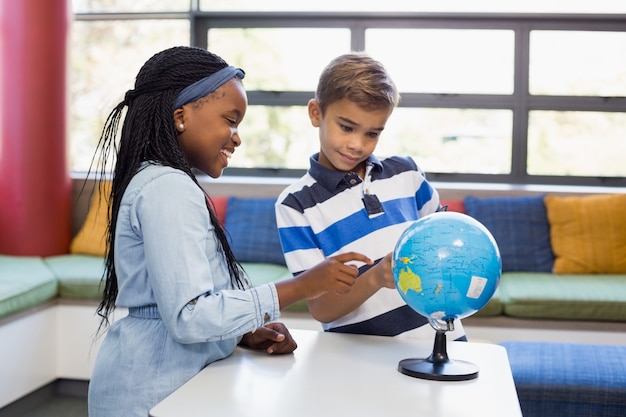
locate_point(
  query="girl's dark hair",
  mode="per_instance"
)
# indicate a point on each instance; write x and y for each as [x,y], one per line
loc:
[149,134]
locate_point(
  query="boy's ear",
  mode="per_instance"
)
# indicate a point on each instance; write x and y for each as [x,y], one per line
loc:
[315,114]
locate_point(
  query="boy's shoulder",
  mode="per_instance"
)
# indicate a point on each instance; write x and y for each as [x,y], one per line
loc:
[394,165]
[304,181]
[399,160]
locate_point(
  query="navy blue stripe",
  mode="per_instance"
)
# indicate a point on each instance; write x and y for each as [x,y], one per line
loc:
[393,166]
[391,323]
[307,197]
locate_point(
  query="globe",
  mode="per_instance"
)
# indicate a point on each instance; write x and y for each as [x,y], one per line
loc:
[446,266]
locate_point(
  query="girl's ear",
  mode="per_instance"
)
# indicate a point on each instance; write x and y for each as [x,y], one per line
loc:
[179,120]
[315,114]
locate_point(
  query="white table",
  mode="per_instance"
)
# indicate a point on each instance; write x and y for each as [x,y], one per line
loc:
[334,374]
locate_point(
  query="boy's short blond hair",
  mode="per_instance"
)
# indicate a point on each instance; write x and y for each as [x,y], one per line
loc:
[359,78]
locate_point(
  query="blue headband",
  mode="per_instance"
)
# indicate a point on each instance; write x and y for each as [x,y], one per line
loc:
[207,85]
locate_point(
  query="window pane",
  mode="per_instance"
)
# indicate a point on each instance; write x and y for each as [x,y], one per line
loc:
[441,140]
[105,58]
[578,63]
[446,60]
[577,143]
[276,137]
[526,6]
[279,58]
[451,140]
[144,6]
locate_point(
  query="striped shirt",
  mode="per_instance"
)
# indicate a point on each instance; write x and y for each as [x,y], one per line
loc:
[327,212]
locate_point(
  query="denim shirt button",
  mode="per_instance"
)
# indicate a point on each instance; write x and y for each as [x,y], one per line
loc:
[266,317]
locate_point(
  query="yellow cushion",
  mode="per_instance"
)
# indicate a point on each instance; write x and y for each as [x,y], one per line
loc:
[91,238]
[588,233]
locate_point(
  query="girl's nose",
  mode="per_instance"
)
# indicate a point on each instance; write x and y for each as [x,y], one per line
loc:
[236,139]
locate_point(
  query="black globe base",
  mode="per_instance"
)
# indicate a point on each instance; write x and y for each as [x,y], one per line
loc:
[438,366]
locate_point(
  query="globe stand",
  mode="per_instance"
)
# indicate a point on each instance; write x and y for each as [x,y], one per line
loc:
[438,366]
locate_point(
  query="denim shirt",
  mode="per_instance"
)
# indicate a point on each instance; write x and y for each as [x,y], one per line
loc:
[183,311]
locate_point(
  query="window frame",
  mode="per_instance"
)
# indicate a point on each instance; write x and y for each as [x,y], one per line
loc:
[520,102]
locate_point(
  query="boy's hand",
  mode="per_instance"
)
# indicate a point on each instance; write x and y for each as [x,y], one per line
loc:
[384,275]
[274,338]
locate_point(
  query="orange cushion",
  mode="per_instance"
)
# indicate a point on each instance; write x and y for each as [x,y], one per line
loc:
[91,238]
[454,205]
[588,233]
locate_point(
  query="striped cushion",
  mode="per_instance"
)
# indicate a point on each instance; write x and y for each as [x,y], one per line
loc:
[520,227]
[252,230]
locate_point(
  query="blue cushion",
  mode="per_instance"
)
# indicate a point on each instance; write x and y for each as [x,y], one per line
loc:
[568,379]
[520,227]
[253,234]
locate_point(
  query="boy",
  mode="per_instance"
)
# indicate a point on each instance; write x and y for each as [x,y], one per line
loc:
[349,200]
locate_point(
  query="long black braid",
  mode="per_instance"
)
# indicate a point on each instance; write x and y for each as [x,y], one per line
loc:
[149,134]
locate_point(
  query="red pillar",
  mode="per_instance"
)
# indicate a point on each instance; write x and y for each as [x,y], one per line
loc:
[35,185]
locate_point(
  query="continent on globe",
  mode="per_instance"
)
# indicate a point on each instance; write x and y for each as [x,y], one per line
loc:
[408,280]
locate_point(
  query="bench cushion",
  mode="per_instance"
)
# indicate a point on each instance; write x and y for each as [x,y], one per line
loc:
[568,297]
[587,233]
[261,273]
[25,282]
[520,227]
[567,379]
[79,275]
[493,308]
[252,230]
[91,238]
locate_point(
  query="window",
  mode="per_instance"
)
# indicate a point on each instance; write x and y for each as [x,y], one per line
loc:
[105,57]
[446,61]
[509,97]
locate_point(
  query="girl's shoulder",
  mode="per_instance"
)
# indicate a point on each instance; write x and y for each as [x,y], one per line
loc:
[160,180]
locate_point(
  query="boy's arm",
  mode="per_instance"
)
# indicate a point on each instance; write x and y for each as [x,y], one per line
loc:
[331,306]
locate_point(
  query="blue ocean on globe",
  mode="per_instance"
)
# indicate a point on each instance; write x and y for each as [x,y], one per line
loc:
[446,266]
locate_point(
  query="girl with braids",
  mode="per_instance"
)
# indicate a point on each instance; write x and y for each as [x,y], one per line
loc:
[168,260]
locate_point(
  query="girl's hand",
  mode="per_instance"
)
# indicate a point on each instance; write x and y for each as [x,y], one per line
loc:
[274,338]
[333,274]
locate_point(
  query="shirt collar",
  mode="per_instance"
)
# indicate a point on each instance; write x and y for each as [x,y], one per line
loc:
[331,179]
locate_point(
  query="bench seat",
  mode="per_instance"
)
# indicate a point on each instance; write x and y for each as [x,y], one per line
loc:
[587,297]
[569,379]
[79,276]
[25,282]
